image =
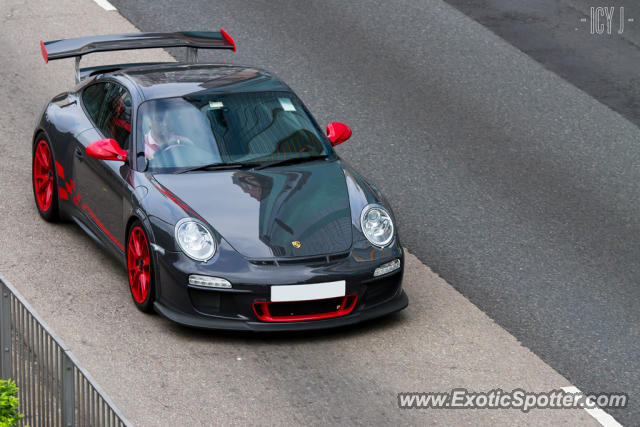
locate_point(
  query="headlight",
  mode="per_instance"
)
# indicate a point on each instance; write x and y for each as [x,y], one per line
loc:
[195,240]
[376,225]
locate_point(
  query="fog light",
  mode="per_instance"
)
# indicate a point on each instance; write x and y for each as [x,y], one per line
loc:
[387,268]
[208,282]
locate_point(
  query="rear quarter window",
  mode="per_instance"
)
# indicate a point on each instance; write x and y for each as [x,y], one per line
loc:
[93,98]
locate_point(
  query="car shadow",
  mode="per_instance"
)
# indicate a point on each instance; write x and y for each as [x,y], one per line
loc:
[373,326]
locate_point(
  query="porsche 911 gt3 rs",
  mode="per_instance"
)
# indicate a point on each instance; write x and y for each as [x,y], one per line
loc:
[216,189]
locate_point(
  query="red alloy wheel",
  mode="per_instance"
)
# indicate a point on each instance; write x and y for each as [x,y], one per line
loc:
[139,264]
[43,176]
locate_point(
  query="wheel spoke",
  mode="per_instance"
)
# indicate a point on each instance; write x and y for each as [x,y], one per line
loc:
[40,156]
[44,159]
[47,159]
[143,286]
[40,187]
[136,282]
[132,254]
[136,247]
[48,193]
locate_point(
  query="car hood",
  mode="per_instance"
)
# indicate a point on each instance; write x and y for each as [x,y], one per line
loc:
[266,213]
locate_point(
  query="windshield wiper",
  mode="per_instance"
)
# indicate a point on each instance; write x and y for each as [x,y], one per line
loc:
[291,160]
[218,166]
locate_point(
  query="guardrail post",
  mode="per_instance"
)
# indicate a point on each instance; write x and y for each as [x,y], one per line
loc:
[5,331]
[68,393]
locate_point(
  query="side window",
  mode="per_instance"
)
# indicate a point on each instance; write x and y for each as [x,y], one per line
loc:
[109,106]
[115,118]
[93,97]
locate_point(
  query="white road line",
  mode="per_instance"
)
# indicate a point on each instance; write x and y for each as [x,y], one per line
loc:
[601,416]
[105,5]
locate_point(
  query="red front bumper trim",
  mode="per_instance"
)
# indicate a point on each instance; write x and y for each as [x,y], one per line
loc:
[261,309]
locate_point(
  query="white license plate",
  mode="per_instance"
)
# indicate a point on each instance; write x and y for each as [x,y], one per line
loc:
[308,292]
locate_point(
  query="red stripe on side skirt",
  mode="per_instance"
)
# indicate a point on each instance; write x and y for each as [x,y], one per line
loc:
[95,219]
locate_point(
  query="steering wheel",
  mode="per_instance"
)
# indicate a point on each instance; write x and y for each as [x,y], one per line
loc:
[306,146]
[177,141]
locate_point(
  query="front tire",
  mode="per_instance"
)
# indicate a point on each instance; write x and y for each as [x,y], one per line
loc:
[44,180]
[140,268]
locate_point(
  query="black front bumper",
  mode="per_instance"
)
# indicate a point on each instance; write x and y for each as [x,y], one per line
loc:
[206,322]
[233,308]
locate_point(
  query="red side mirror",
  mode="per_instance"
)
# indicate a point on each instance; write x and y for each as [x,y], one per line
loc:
[106,149]
[338,132]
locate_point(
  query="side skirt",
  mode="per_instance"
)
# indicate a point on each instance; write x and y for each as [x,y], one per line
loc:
[109,248]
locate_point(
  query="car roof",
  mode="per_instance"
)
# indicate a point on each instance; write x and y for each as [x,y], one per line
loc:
[177,79]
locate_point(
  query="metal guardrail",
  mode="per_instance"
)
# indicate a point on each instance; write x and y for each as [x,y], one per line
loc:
[53,389]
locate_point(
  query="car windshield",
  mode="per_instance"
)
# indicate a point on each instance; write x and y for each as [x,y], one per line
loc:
[244,128]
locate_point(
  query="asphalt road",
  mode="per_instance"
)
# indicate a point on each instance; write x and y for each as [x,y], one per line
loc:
[158,373]
[558,34]
[511,182]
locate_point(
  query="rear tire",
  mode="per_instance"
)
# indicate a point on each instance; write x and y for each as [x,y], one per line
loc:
[140,268]
[45,180]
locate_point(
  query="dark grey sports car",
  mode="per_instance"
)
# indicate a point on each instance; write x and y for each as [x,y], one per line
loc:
[215,187]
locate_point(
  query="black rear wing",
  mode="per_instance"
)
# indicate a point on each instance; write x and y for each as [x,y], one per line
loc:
[193,40]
